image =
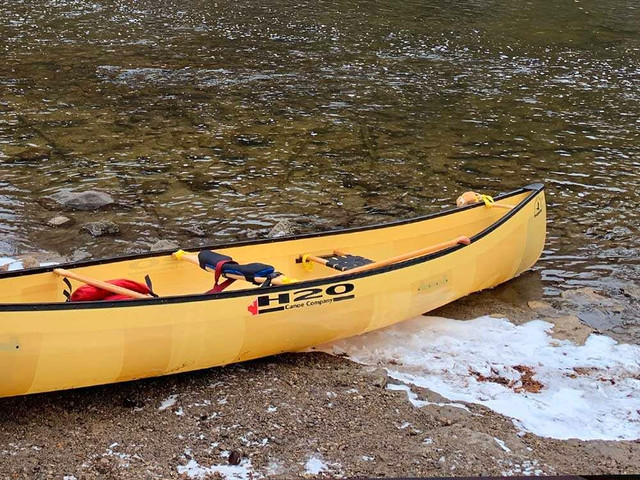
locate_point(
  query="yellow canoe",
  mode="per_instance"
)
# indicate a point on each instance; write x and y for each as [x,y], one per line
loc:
[48,344]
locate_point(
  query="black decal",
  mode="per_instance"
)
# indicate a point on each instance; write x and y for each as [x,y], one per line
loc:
[274,309]
[348,297]
[340,289]
[265,300]
[307,294]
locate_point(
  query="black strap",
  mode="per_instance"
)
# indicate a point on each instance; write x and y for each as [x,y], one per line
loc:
[147,280]
[67,293]
[271,276]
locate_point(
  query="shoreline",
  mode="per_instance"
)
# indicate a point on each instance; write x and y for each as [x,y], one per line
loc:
[281,417]
[293,415]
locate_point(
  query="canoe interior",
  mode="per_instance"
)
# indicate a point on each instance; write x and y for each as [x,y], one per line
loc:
[178,278]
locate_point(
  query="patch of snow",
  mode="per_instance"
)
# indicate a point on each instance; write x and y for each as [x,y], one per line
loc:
[168,402]
[179,412]
[15,264]
[271,409]
[69,477]
[502,445]
[315,465]
[404,425]
[428,441]
[243,471]
[589,391]
[274,468]
[527,467]
[367,458]
[413,398]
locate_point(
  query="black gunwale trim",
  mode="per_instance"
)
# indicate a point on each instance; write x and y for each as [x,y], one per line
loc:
[535,189]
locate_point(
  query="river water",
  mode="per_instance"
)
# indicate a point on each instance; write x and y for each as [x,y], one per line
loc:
[211,121]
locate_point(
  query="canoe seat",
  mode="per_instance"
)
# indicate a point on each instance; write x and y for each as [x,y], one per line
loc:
[340,261]
[223,264]
[346,262]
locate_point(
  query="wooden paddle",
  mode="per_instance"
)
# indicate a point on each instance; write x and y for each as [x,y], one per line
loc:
[193,258]
[461,240]
[100,284]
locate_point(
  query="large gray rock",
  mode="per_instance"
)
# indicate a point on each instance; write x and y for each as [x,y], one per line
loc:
[89,200]
[100,228]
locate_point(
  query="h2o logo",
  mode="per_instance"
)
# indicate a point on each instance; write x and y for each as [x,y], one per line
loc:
[308,297]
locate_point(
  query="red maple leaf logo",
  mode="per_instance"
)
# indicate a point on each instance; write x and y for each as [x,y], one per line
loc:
[253,308]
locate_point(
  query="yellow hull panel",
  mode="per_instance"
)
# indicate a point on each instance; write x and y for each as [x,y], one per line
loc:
[46,344]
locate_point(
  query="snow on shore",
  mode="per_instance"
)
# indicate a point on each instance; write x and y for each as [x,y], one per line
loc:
[549,387]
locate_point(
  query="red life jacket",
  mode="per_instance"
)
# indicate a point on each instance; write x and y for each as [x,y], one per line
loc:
[88,293]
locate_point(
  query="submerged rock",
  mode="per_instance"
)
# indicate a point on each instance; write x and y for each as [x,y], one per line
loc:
[88,200]
[164,245]
[195,231]
[252,140]
[6,248]
[32,153]
[154,187]
[100,228]
[283,228]
[60,221]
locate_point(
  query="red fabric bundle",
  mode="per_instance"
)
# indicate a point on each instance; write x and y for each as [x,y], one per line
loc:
[88,293]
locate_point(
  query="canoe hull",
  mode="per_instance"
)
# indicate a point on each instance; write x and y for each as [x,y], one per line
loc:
[46,349]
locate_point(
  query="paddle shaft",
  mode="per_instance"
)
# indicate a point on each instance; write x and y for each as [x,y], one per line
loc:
[100,284]
[191,258]
[320,260]
[406,256]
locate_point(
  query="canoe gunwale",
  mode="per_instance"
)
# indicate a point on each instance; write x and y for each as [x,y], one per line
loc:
[535,190]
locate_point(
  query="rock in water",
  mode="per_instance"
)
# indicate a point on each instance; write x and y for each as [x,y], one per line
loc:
[164,245]
[6,248]
[32,153]
[100,228]
[60,221]
[89,200]
[283,228]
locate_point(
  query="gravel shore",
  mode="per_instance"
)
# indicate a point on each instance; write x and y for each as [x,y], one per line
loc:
[294,415]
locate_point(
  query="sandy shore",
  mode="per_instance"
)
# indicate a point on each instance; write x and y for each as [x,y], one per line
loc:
[288,416]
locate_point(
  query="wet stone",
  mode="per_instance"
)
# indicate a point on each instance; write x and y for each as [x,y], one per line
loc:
[79,255]
[154,187]
[164,245]
[195,231]
[60,221]
[87,200]
[252,140]
[283,228]
[32,153]
[100,228]
[379,378]
[6,248]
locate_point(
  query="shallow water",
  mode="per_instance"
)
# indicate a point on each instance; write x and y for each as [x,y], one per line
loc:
[230,116]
